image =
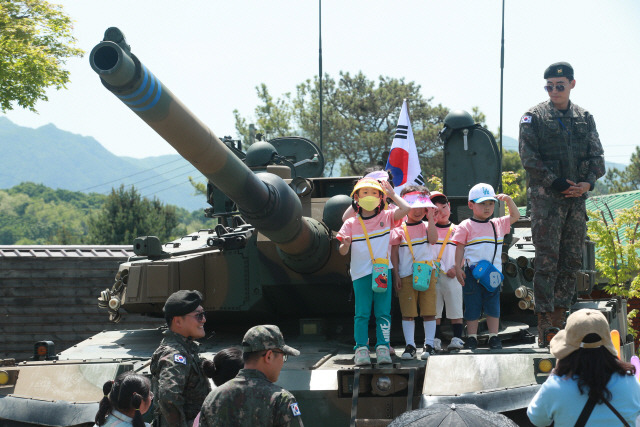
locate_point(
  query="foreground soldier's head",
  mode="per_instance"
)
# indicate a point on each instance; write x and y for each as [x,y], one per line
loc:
[264,349]
[184,314]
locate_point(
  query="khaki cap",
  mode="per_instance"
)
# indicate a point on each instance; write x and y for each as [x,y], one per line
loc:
[580,324]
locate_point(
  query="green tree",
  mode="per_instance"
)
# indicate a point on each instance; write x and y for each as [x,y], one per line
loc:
[273,117]
[617,239]
[34,214]
[126,215]
[359,119]
[35,43]
[514,177]
[628,179]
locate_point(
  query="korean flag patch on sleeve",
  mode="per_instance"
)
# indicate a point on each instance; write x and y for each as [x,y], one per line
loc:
[178,358]
[526,119]
[294,409]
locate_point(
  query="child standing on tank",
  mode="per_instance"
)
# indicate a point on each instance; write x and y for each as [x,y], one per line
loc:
[478,239]
[413,243]
[368,234]
[448,290]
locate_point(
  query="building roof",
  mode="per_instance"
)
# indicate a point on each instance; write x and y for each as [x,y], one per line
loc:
[65,251]
[614,202]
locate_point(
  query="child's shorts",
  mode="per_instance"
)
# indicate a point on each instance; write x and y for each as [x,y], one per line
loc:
[409,299]
[449,295]
[477,299]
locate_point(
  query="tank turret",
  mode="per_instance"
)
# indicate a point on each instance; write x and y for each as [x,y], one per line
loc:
[272,211]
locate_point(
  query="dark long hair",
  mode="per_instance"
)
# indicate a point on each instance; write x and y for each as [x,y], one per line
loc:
[125,393]
[594,368]
[225,365]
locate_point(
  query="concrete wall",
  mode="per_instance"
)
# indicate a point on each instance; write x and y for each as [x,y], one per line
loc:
[50,293]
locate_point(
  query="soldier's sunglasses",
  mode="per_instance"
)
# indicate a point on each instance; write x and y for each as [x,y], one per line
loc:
[549,88]
[284,355]
[199,316]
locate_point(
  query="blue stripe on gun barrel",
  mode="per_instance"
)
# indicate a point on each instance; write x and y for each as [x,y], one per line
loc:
[154,86]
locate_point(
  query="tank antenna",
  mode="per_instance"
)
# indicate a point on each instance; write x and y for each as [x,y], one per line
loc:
[320,63]
[501,84]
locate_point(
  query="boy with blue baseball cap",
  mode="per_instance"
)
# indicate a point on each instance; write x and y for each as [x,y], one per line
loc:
[479,243]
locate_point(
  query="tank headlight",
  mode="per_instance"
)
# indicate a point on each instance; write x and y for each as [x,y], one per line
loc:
[384,385]
[4,377]
[44,350]
[545,366]
[114,303]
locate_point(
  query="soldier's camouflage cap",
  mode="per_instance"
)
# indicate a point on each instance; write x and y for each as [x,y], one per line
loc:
[559,69]
[266,337]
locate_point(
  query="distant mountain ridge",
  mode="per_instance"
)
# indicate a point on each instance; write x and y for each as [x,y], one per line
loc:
[61,159]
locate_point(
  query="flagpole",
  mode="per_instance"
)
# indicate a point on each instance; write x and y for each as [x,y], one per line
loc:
[501,96]
[320,63]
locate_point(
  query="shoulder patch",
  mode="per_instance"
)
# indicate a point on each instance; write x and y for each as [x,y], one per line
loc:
[525,119]
[178,358]
[294,409]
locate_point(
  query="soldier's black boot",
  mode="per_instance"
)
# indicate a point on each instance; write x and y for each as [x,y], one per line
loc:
[558,318]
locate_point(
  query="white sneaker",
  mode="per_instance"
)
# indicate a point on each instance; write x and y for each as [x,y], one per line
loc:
[383,355]
[362,357]
[456,344]
[437,344]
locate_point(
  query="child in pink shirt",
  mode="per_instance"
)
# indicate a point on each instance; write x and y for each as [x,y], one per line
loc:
[480,238]
[368,235]
[415,239]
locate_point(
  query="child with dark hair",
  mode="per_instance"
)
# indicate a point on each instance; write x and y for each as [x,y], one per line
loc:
[124,401]
[590,385]
[225,365]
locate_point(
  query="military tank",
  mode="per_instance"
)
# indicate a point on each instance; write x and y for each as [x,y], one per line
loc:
[273,258]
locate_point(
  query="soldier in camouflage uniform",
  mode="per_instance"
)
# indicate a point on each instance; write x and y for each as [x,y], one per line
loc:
[561,152]
[251,399]
[178,381]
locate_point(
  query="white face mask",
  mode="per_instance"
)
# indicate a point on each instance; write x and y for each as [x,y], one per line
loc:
[369,203]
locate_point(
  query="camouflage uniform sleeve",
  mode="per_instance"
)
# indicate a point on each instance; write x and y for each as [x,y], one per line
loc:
[287,411]
[596,168]
[172,377]
[529,144]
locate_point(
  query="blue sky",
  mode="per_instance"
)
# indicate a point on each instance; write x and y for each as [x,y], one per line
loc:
[212,54]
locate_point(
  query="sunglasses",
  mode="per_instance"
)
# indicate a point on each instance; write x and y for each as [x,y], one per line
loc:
[284,355]
[199,316]
[549,88]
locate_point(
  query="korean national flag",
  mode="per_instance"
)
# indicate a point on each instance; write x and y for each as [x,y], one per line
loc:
[403,158]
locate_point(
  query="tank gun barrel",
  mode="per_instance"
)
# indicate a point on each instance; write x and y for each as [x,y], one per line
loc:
[264,199]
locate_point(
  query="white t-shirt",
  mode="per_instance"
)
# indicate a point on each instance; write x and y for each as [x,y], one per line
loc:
[479,241]
[379,231]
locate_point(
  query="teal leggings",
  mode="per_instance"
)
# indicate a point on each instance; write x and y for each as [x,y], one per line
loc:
[381,309]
